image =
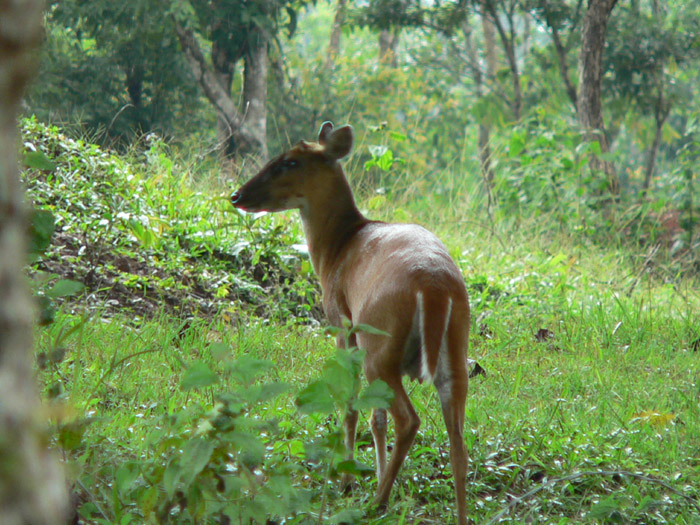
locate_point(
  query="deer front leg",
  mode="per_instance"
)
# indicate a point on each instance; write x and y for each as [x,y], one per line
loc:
[379,426]
[350,425]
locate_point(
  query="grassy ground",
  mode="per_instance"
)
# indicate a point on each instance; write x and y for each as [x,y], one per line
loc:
[577,382]
[587,412]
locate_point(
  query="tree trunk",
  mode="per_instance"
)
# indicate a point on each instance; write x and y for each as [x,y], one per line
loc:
[223,71]
[490,44]
[661,112]
[590,111]
[509,48]
[32,486]
[484,129]
[134,88]
[560,49]
[247,140]
[388,42]
[255,92]
[336,30]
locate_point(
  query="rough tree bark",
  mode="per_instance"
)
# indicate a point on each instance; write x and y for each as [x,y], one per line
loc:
[590,110]
[662,109]
[32,486]
[223,71]
[245,133]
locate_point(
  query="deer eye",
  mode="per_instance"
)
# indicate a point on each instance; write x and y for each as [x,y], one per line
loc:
[289,164]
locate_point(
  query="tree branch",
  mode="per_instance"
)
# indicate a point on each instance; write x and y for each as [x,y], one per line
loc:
[214,91]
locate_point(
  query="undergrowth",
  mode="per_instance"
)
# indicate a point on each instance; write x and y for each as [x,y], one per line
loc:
[187,380]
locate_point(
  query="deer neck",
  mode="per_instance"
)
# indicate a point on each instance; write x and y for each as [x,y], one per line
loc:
[330,220]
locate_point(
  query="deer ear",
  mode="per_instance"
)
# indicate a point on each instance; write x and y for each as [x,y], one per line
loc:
[339,143]
[324,132]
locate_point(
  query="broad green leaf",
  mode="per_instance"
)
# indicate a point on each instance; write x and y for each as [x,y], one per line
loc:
[171,477]
[517,144]
[70,435]
[352,466]
[315,398]
[608,510]
[249,446]
[349,516]
[148,500]
[125,476]
[39,161]
[195,457]
[247,369]
[65,288]
[199,375]
[220,351]
[43,224]
[369,329]
[377,395]
[260,393]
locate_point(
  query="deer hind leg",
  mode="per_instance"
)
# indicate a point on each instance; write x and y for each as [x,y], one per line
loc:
[406,424]
[451,380]
[383,361]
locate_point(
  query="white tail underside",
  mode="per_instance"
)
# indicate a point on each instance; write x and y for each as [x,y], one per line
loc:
[442,364]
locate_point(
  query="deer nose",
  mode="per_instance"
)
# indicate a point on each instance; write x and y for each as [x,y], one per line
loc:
[235,197]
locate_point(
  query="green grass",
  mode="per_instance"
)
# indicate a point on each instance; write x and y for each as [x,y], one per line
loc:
[588,411]
[614,388]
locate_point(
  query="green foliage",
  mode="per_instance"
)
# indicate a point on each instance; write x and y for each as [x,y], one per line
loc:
[120,230]
[207,461]
[118,70]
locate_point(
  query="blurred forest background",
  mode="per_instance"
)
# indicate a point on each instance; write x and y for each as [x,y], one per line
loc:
[500,93]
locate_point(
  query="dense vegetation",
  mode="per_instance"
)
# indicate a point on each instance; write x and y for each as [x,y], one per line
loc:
[181,348]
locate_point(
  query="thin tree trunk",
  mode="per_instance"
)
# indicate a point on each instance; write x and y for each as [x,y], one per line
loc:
[661,112]
[527,33]
[561,57]
[490,44]
[255,92]
[484,129]
[334,43]
[223,71]
[590,111]
[652,155]
[32,486]
[509,48]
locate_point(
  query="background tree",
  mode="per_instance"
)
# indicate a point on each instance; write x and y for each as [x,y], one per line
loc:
[32,487]
[238,30]
[508,10]
[336,30]
[589,102]
[649,49]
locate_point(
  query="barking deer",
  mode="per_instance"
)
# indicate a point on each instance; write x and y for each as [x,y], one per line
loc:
[398,278]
